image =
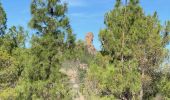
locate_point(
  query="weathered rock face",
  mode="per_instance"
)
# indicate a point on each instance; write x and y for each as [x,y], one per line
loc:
[70,68]
[89,43]
[89,38]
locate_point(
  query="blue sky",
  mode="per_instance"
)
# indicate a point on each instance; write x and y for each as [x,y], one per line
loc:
[85,15]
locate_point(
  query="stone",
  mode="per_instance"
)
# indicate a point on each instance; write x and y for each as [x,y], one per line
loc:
[89,43]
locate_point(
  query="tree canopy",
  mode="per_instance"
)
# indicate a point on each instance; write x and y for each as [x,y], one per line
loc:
[133,63]
[3,20]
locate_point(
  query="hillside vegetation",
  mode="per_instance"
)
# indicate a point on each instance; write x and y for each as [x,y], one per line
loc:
[131,65]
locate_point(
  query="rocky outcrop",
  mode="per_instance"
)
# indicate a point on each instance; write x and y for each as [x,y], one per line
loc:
[89,43]
[71,68]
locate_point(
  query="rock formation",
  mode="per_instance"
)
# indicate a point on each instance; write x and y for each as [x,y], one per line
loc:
[71,68]
[89,43]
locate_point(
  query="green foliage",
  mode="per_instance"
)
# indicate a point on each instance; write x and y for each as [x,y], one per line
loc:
[13,39]
[13,60]
[8,94]
[134,42]
[109,81]
[3,21]
[48,17]
[8,70]
[165,86]
[117,41]
[41,78]
[129,66]
[164,83]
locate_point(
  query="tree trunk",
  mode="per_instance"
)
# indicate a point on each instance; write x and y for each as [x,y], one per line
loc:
[141,94]
[141,91]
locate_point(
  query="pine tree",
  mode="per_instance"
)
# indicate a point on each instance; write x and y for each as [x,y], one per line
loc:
[3,20]
[14,38]
[135,44]
[49,18]
[116,42]
[13,61]
[164,81]
[48,46]
[8,64]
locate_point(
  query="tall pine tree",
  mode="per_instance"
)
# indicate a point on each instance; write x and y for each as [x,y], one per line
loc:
[135,43]
[54,36]
[116,42]
[3,20]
